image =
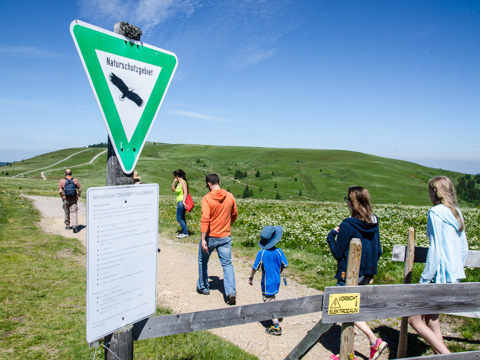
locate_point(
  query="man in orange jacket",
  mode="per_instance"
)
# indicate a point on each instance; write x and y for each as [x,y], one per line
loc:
[219,212]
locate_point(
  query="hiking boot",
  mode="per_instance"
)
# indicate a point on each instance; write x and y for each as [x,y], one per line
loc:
[272,330]
[74,229]
[377,349]
[181,236]
[203,292]
[231,299]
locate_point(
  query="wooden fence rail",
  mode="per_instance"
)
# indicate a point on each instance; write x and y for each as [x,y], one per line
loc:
[399,251]
[210,319]
[466,355]
[376,302]
[387,301]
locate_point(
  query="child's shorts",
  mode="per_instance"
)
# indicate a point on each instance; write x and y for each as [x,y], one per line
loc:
[267,298]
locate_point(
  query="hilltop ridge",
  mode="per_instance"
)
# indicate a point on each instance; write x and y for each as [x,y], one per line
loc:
[270,173]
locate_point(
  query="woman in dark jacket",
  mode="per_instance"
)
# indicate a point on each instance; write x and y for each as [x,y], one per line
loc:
[362,224]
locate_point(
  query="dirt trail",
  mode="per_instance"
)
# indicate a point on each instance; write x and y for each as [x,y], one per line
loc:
[42,174]
[177,276]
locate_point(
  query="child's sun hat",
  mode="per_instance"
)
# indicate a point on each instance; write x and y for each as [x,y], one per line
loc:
[270,236]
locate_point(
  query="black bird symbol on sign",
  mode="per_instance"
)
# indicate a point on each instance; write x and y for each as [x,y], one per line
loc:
[126,92]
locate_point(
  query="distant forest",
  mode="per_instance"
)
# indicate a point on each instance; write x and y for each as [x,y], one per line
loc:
[467,189]
[100,145]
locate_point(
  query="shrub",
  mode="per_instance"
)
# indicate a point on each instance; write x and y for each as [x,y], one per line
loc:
[246,193]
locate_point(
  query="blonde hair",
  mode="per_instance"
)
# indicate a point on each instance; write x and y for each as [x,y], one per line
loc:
[359,198]
[445,194]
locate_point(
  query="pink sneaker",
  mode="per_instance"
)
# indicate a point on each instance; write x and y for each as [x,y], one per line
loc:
[377,349]
[337,357]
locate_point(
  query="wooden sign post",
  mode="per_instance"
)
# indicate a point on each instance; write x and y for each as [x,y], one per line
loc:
[120,343]
[353,268]
[115,174]
[403,337]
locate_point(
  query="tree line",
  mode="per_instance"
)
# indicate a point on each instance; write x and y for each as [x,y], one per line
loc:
[467,189]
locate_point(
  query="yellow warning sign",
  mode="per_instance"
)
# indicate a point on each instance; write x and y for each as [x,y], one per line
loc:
[339,304]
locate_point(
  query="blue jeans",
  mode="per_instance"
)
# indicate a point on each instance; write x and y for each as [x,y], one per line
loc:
[224,250]
[181,217]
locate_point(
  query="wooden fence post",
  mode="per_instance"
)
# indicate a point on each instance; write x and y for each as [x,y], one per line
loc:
[403,337]
[120,343]
[309,341]
[353,268]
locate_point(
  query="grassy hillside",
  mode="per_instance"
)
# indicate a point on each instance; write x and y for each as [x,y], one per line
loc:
[42,298]
[321,175]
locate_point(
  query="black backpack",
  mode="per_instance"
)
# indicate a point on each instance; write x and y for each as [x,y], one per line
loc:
[70,188]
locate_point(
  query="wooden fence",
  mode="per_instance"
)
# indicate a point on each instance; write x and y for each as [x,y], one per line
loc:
[376,302]
[411,254]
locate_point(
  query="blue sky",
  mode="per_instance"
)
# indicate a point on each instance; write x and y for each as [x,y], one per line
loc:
[399,79]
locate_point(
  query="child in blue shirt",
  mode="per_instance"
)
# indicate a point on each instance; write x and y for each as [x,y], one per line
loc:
[272,260]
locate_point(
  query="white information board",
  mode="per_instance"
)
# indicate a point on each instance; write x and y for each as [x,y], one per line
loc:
[122,240]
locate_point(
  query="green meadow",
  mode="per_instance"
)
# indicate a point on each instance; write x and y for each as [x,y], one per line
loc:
[320,175]
[399,196]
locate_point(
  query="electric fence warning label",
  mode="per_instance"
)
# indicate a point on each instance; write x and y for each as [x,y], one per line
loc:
[339,304]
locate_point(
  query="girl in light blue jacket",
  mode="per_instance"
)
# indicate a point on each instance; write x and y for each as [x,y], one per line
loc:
[447,253]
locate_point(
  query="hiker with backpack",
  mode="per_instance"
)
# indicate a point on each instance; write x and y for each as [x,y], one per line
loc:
[70,189]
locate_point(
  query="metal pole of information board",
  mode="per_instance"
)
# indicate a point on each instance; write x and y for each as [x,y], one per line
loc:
[120,343]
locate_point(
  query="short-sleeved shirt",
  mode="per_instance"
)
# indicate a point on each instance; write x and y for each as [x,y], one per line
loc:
[61,186]
[271,261]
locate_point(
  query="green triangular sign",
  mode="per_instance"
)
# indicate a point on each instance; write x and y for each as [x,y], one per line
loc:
[129,79]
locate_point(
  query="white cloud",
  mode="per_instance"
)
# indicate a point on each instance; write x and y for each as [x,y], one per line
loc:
[145,14]
[31,51]
[252,54]
[257,27]
[154,12]
[195,115]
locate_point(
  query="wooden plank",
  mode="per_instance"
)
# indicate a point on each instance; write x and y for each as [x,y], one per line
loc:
[120,344]
[309,341]
[347,335]
[398,254]
[407,279]
[387,301]
[467,355]
[210,319]
[399,251]
[473,259]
